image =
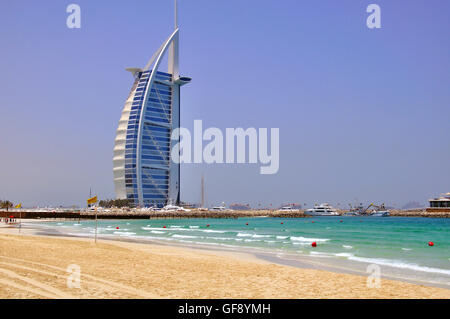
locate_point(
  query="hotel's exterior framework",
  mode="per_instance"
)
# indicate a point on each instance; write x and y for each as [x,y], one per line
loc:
[144,171]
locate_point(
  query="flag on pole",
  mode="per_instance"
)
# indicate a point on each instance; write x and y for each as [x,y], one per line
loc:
[19,205]
[92,200]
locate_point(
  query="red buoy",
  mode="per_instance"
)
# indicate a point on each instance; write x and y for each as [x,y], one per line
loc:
[207,225]
[246,224]
[312,222]
[164,227]
[282,223]
[341,221]
[431,244]
[314,244]
[117,227]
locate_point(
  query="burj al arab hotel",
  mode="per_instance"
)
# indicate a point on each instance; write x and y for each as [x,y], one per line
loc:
[144,171]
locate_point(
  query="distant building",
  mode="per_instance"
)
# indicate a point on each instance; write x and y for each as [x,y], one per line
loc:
[144,172]
[441,202]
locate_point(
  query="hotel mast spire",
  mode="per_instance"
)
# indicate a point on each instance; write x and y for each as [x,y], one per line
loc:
[173,51]
[176,14]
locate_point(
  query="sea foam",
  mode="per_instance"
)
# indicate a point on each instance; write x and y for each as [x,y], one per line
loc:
[310,240]
[184,236]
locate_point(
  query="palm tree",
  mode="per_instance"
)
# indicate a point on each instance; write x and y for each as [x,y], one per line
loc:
[6,204]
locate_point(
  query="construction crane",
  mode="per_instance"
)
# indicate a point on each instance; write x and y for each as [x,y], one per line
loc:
[377,207]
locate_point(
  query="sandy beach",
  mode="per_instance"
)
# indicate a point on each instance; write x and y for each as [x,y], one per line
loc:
[36,267]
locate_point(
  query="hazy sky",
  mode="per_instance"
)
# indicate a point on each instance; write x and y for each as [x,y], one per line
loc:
[363,114]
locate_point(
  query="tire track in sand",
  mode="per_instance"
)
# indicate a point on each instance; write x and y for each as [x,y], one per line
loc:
[58,293]
[34,291]
[107,284]
[84,292]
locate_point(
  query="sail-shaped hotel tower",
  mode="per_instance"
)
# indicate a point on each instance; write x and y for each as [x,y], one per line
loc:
[144,171]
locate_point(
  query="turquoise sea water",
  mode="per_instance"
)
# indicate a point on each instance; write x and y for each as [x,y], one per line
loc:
[398,245]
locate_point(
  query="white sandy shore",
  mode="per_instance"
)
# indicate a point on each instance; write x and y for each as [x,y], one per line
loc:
[36,267]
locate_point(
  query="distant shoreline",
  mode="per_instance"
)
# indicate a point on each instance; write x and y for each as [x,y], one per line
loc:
[124,214]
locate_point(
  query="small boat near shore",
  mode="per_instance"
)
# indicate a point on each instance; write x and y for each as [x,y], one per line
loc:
[322,210]
[220,208]
[380,213]
[351,213]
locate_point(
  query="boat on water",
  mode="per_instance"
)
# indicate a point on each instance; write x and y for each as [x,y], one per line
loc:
[219,208]
[174,208]
[358,210]
[351,213]
[380,213]
[322,210]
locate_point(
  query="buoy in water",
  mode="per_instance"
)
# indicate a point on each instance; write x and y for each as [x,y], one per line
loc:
[207,225]
[314,244]
[246,224]
[341,221]
[431,244]
[164,227]
[282,223]
[117,227]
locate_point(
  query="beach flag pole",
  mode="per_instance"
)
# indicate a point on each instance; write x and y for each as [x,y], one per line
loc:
[95,224]
[19,207]
[94,200]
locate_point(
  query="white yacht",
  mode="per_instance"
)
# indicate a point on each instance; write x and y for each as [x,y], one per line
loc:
[174,208]
[322,210]
[220,208]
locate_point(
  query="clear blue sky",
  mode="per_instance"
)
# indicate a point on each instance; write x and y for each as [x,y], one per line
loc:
[363,114]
